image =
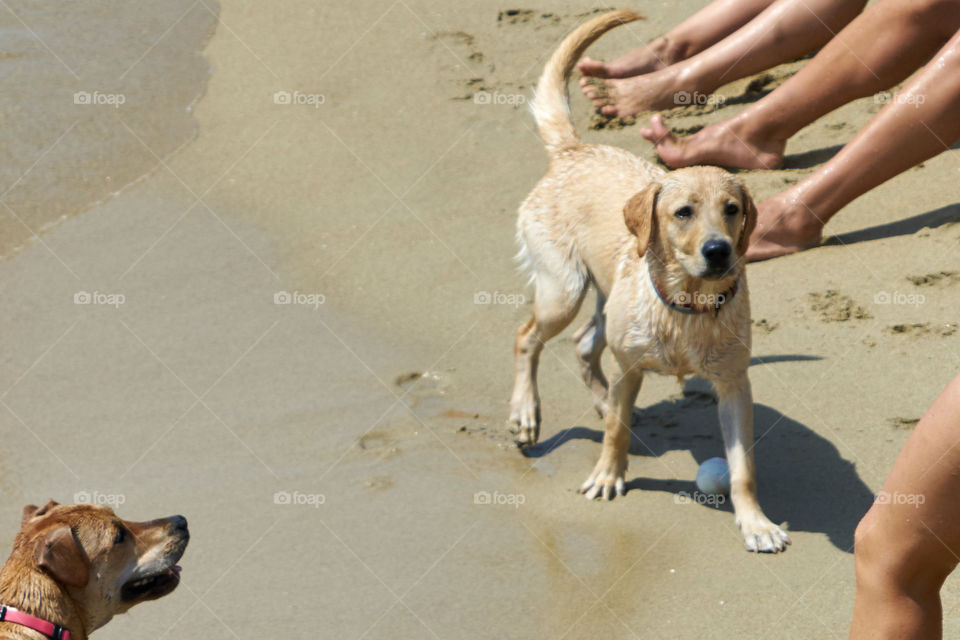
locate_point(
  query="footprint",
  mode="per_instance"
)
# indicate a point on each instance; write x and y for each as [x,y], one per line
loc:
[405,378]
[515,16]
[931,279]
[378,483]
[463,45]
[468,421]
[903,423]
[765,325]
[457,37]
[461,40]
[419,386]
[527,16]
[833,306]
[599,122]
[379,445]
[919,329]
[473,87]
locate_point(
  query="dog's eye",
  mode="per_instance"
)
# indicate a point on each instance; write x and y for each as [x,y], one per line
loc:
[684,212]
[121,536]
[731,209]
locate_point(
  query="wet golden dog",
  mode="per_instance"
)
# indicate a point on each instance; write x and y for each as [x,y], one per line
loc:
[665,254]
[77,566]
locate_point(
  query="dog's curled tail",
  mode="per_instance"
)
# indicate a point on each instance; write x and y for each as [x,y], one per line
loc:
[551,102]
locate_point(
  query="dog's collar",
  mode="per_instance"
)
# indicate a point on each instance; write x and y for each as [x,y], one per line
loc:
[47,628]
[692,307]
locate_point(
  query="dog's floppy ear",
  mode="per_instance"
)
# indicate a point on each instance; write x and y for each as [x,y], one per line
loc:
[640,214]
[749,220]
[33,511]
[60,556]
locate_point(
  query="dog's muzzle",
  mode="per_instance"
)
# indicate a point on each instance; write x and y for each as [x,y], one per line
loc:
[717,255]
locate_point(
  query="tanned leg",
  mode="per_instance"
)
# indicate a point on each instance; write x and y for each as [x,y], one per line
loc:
[909,541]
[856,63]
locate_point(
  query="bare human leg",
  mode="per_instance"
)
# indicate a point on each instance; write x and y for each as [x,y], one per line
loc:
[854,64]
[703,29]
[784,31]
[919,123]
[909,541]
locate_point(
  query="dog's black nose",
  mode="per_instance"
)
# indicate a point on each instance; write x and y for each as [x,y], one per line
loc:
[716,252]
[178,523]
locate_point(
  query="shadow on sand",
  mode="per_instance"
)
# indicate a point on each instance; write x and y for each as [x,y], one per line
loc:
[810,159]
[905,227]
[801,476]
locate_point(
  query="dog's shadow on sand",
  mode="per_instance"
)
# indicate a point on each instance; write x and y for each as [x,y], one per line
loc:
[801,476]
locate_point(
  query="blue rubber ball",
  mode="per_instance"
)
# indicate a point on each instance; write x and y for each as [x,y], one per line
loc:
[713,476]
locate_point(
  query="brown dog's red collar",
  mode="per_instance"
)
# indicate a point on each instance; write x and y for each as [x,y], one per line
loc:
[47,628]
[692,307]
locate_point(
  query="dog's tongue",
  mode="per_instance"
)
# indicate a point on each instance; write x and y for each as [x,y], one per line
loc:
[176,568]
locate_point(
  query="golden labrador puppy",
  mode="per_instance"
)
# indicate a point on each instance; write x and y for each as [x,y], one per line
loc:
[74,567]
[665,254]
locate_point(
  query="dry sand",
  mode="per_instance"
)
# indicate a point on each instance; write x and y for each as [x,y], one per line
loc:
[393,203]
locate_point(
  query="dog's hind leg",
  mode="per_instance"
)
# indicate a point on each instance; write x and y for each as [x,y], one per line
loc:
[554,308]
[591,340]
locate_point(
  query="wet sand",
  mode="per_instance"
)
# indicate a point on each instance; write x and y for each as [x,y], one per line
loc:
[92,97]
[334,454]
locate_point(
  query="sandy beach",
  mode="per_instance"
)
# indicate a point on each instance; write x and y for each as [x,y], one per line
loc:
[263,277]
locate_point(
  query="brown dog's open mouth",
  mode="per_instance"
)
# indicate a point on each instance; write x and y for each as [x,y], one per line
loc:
[152,587]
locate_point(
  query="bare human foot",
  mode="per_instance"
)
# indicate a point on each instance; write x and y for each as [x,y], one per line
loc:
[655,56]
[726,144]
[625,97]
[785,225]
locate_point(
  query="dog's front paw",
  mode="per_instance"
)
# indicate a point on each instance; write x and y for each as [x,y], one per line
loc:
[607,477]
[762,536]
[525,423]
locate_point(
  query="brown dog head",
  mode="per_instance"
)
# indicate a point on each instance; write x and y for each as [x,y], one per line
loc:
[700,217]
[105,564]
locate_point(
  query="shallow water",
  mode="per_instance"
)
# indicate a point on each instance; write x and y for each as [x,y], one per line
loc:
[92,97]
